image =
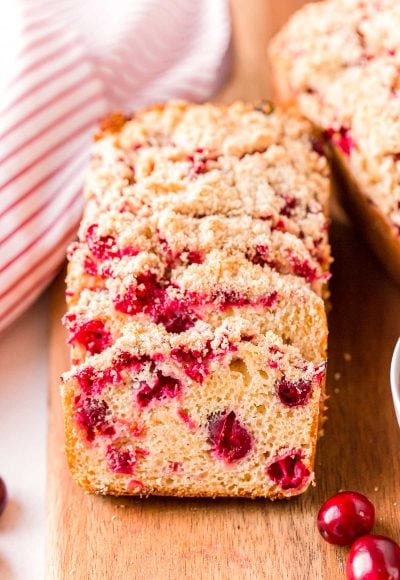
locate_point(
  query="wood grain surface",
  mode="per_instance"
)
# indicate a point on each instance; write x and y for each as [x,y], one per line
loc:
[95,538]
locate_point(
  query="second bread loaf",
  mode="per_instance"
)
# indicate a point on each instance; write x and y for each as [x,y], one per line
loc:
[339,61]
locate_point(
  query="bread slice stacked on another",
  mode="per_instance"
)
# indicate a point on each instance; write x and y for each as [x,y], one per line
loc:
[195,305]
[339,61]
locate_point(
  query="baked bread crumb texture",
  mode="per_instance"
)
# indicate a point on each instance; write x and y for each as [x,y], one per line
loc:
[339,60]
[196,311]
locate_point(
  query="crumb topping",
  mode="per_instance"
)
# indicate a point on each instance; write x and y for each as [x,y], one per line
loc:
[194,210]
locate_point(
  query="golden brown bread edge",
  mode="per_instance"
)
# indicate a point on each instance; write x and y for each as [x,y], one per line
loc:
[373,225]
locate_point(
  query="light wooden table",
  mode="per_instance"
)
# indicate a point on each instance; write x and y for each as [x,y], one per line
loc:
[93,538]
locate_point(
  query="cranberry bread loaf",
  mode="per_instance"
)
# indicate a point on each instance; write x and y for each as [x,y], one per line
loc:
[339,61]
[195,305]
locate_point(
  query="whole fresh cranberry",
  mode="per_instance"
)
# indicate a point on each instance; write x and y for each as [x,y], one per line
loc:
[373,558]
[344,517]
[3,495]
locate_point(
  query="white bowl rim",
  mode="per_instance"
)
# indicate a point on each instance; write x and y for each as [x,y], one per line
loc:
[395,379]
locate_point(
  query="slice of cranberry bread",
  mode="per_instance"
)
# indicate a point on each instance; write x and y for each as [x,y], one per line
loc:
[195,305]
[339,61]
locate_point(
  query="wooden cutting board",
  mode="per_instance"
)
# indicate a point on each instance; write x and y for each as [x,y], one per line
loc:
[95,538]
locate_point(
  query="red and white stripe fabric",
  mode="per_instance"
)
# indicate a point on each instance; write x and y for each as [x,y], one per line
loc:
[63,65]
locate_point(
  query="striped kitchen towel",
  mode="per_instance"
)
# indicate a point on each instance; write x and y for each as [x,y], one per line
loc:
[63,65]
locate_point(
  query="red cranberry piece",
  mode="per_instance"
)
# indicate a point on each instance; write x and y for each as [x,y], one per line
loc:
[148,289]
[128,251]
[293,393]
[231,298]
[344,517]
[145,297]
[231,441]
[105,247]
[345,141]
[92,335]
[261,257]
[102,247]
[171,312]
[303,269]
[90,267]
[280,225]
[121,460]
[128,304]
[195,257]
[3,496]
[174,315]
[288,470]
[163,388]
[86,379]
[269,300]
[194,362]
[125,360]
[289,206]
[91,415]
[373,557]
[175,466]
[152,299]
[92,381]
[342,138]
[105,271]
[199,166]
